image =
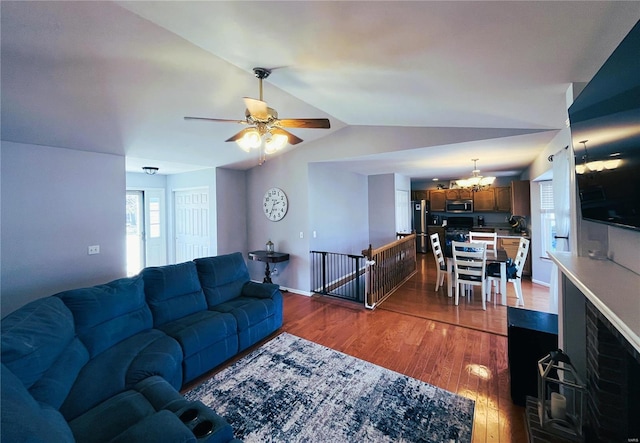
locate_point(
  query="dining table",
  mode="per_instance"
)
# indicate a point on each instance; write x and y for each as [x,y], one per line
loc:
[500,257]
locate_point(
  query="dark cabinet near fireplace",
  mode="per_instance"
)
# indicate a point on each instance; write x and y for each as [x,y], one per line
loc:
[530,336]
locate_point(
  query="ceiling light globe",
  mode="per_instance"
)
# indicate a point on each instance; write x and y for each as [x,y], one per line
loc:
[250,140]
[275,142]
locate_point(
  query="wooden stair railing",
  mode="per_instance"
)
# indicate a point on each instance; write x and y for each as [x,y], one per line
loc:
[388,267]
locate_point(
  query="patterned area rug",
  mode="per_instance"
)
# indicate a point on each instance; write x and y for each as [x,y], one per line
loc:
[291,389]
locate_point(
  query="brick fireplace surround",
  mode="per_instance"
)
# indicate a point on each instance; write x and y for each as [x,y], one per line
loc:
[599,329]
[613,383]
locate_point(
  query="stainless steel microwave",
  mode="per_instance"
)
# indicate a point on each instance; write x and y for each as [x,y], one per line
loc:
[458,206]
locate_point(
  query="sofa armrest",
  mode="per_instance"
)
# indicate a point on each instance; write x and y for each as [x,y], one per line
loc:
[161,426]
[259,290]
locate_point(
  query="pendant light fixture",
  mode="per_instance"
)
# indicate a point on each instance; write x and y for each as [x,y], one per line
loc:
[476,182]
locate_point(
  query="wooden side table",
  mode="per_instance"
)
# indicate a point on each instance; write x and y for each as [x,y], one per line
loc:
[268,257]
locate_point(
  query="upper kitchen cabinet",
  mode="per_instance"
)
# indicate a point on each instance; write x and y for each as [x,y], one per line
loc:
[458,194]
[492,200]
[503,199]
[419,195]
[484,200]
[437,199]
[520,198]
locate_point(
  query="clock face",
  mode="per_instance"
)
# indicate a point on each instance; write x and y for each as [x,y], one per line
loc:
[275,204]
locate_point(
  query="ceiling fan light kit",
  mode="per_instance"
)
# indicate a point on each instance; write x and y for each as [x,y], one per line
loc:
[476,182]
[265,132]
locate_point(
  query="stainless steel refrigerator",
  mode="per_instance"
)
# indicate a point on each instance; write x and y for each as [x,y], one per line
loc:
[420,221]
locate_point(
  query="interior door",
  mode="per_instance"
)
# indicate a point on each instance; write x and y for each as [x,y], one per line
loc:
[191,209]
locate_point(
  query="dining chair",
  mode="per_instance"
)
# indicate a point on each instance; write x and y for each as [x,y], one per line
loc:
[518,261]
[441,266]
[469,266]
[490,238]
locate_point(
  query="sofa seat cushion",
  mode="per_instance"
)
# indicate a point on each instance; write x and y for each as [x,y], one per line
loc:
[25,420]
[173,292]
[107,314]
[118,368]
[148,412]
[222,277]
[207,338]
[198,331]
[256,317]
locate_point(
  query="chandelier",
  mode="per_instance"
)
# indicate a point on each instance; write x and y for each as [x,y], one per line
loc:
[476,182]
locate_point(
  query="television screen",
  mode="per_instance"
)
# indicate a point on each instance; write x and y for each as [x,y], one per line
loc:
[605,132]
[608,174]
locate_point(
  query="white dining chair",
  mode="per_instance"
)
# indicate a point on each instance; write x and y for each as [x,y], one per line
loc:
[441,266]
[469,267]
[518,261]
[490,238]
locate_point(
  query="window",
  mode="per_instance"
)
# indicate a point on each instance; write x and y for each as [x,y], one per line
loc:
[547,218]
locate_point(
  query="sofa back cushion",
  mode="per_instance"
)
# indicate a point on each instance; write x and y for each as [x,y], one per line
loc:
[173,292]
[34,336]
[26,420]
[222,277]
[106,314]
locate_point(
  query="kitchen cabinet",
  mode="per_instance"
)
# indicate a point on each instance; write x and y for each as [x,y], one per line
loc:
[520,198]
[458,194]
[484,200]
[492,200]
[419,195]
[511,246]
[437,199]
[503,199]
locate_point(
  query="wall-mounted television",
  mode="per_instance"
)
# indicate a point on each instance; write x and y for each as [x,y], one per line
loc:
[605,132]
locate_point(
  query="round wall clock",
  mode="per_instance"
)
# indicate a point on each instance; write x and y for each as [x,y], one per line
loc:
[275,204]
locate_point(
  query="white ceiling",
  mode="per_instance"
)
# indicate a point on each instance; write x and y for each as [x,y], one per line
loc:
[118,77]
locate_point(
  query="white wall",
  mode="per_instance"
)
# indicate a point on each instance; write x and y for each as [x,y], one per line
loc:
[231,204]
[55,203]
[382,209]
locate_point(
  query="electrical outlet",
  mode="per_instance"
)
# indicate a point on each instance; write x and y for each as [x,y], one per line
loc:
[301,234]
[315,234]
[93,250]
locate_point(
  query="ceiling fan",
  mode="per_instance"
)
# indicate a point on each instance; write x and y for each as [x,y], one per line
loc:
[265,128]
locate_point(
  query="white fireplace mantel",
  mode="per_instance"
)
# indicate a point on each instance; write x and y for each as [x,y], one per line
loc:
[611,288]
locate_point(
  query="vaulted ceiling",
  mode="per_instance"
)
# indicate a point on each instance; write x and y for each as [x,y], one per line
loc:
[118,77]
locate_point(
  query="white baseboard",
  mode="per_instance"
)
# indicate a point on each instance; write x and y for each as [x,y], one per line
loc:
[542,283]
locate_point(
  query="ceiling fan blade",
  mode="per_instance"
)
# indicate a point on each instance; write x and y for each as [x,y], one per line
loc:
[310,123]
[223,120]
[257,108]
[240,134]
[293,139]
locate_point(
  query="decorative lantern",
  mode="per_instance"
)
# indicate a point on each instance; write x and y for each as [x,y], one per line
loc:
[560,396]
[270,248]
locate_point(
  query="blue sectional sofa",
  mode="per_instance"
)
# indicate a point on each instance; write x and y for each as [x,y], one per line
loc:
[105,363]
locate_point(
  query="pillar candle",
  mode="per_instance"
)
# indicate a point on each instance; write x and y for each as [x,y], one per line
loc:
[558,406]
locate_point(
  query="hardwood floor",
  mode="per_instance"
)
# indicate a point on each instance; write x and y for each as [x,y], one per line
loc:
[421,334]
[418,297]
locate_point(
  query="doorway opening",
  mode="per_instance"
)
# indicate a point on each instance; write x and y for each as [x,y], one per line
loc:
[146,238]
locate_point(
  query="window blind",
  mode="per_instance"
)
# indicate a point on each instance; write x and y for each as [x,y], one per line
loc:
[546,196]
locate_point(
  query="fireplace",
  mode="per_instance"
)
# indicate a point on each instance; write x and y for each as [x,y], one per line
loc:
[613,382]
[599,328]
